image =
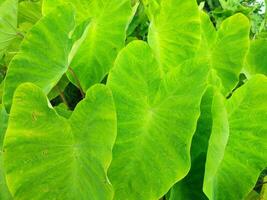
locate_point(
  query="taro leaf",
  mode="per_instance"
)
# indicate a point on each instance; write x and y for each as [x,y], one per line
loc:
[210,50]
[8,22]
[237,153]
[59,88]
[157,116]
[174,32]
[253,195]
[49,157]
[191,186]
[44,54]
[29,12]
[106,36]
[263,194]
[256,58]
[225,50]
[81,7]
[1,91]
[63,110]
[4,192]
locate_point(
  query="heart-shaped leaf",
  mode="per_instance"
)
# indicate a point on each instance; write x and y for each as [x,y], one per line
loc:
[104,39]
[226,49]
[49,157]
[174,32]
[157,116]
[44,55]
[220,50]
[238,143]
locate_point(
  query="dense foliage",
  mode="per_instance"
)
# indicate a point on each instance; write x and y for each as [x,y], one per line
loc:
[129,99]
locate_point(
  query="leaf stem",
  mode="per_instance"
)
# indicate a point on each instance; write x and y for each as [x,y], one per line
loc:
[77,81]
[260,184]
[62,96]
[20,34]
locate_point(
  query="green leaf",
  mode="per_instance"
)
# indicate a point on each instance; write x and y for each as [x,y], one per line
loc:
[59,88]
[44,54]
[191,186]
[4,192]
[63,110]
[253,195]
[263,194]
[219,59]
[104,39]
[49,157]
[29,12]
[8,23]
[256,58]
[226,49]
[157,116]
[238,143]
[174,32]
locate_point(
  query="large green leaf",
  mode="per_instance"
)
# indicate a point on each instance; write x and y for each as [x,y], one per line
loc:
[256,58]
[238,143]
[191,186]
[8,22]
[226,49]
[44,54]
[157,116]
[104,40]
[222,62]
[49,157]
[4,192]
[174,32]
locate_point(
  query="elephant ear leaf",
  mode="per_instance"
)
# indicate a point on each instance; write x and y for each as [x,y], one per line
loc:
[219,58]
[157,116]
[174,32]
[256,58]
[4,192]
[104,39]
[236,154]
[8,22]
[50,157]
[226,47]
[44,54]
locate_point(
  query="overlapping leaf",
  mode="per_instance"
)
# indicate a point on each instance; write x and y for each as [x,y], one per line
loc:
[157,116]
[44,54]
[8,23]
[256,58]
[4,192]
[174,32]
[237,150]
[225,53]
[225,50]
[191,186]
[49,157]
[105,38]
